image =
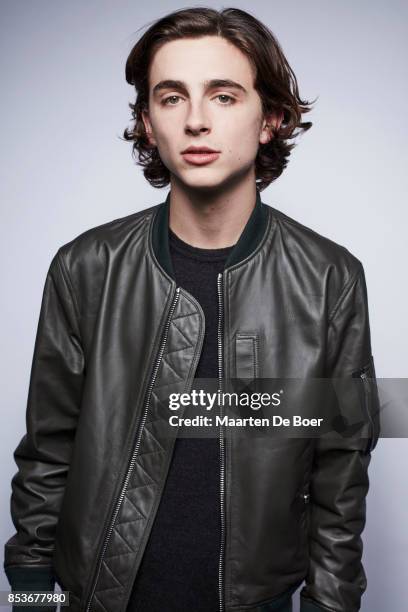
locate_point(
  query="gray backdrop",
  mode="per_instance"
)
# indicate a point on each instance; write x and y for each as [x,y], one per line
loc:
[64,104]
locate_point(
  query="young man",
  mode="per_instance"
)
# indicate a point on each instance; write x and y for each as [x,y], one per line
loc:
[212,283]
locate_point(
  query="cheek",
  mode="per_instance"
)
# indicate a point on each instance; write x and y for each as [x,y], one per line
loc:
[166,143]
[165,127]
[165,133]
[240,136]
[252,132]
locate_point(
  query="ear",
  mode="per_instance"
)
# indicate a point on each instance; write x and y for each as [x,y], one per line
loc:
[274,119]
[148,127]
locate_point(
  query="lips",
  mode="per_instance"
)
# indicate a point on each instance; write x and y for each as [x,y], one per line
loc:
[198,149]
[200,155]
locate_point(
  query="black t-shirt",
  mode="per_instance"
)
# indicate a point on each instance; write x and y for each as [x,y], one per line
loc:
[179,568]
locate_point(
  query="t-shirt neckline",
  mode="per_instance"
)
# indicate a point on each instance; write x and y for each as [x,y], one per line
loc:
[197,252]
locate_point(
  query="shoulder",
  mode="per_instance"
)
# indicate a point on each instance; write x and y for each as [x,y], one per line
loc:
[301,237]
[320,258]
[95,243]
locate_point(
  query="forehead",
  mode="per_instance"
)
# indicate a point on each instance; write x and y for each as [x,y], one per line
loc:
[200,59]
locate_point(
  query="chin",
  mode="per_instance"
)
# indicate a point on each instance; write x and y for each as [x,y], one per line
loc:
[213,181]
[202,180]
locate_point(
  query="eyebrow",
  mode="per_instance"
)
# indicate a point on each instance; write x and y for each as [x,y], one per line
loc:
[211,84]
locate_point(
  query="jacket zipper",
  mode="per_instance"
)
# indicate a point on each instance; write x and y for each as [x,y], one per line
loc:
[137,445]
[367,391]
[222,448]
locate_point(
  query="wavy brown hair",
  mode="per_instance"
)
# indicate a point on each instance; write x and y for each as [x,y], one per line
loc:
[275,83]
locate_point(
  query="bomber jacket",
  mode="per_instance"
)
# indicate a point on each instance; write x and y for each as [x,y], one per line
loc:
[115,337]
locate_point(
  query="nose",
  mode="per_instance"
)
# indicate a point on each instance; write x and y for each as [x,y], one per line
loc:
[196,121]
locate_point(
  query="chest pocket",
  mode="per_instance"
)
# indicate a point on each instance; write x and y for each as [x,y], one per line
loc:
[246,356]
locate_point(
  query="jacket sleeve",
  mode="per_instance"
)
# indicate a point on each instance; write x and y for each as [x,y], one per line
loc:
[43,454]
[339,483]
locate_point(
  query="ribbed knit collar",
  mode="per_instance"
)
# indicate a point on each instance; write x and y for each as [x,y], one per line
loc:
[247,243]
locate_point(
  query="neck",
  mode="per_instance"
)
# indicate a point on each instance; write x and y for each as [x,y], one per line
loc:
[211,220]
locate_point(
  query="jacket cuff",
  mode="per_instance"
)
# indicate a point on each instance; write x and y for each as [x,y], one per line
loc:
[30,578]
[307,605]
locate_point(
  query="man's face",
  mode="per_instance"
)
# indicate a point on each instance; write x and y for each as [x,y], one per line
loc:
[226,117]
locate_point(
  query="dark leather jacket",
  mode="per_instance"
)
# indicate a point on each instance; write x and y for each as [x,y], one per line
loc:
[115,337]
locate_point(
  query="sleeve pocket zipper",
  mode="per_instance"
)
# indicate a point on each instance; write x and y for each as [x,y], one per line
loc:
[370,401]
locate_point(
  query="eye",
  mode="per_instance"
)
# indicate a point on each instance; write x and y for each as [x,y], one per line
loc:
[230,98]
[165,101]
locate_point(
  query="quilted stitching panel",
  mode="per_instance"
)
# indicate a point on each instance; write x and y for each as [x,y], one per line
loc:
[141,497]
